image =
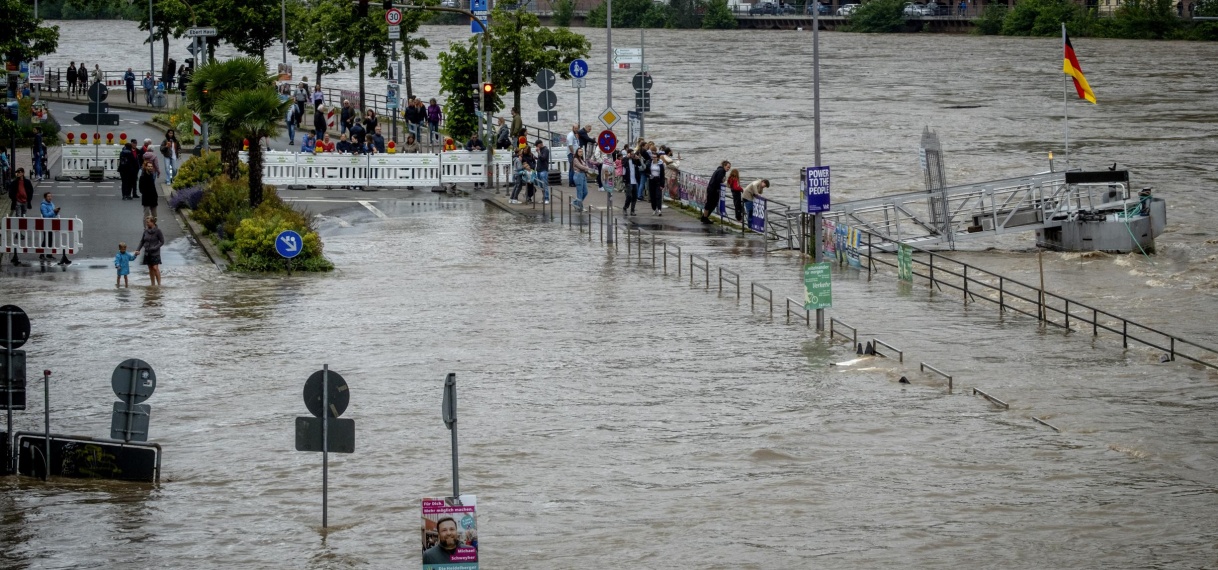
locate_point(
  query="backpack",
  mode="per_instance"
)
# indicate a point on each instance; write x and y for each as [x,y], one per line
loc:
[124,159]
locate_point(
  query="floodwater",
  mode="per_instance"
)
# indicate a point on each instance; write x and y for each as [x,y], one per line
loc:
[614,417]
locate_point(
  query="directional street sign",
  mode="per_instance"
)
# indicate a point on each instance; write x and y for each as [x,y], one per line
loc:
[607,141]
[547,100]
[547,116]
[395,32]
[641,82]
[627,55]
[546,79]
[579,82]
[609,118]
[200,32]
[289,244]
[578,68]
[393,16]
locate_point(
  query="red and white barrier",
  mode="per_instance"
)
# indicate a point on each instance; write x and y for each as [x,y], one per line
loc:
[196,124]
[49,236]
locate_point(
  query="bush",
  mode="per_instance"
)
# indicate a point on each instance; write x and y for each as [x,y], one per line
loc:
[1041,18]
[186,198]
[198,170]
[254,240]
[718,16]
[878,17]
[990,22]
[564,10]
[224,204]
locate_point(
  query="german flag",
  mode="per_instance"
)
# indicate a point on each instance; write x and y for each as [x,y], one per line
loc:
[1071,67]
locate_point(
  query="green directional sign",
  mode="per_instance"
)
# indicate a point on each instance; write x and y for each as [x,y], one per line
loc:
[818,286]
[904,263]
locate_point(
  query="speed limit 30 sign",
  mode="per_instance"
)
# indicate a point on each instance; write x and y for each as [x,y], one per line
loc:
[393,16]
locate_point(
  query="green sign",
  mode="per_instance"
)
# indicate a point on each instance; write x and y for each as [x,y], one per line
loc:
[904,263]
[818,286]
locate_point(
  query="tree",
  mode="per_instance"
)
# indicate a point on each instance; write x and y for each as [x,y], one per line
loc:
[633,14]
[251,26]
[210,84]
[520,47]
[879,17]
[172,18]
[252,114]
[317,33]
[412,49]
[718,16]
[459,79]
[22,36]
[564,10]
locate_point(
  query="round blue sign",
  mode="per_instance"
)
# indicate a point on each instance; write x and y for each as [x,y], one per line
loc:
[289,244]
[607,141]
[578,68]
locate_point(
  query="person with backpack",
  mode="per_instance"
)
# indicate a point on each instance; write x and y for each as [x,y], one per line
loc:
[128,169]
[503,139]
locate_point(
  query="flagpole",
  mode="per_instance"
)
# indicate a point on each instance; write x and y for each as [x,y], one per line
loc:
[1065,101]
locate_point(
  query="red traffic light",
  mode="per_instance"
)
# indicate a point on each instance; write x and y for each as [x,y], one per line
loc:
[488,88]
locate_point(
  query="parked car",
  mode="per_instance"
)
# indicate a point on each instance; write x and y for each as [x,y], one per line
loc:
[822,8]
[913,10]
[933,9]
[786,8]
[763,8]
[451,3]
[846,9]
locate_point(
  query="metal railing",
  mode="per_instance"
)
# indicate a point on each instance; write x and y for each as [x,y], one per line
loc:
[693,264]
[922,366]
[807,313]
[733,280]
[875,342]
[996,401]
[754,295]
[1051,309]
[854,333]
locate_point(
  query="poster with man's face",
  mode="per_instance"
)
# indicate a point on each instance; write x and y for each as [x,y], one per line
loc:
[450,533]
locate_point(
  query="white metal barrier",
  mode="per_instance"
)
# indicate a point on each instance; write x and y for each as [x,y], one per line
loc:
[51,236]
[462,167]
[378,170]
[77,159]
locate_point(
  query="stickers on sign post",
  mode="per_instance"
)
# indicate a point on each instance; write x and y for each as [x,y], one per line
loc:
[289,244]
[816,189]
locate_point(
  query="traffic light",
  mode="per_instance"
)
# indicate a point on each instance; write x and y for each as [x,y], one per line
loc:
[190,63]
[361,11]
[488,96]
[387,4]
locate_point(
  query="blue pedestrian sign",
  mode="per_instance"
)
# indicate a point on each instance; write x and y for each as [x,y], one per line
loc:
[289,244]
[578,68]
[476,6]
[816,189]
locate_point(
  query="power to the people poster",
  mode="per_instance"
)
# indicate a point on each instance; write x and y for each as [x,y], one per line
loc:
[450,533]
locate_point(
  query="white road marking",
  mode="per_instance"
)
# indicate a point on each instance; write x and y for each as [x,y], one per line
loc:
[373,209]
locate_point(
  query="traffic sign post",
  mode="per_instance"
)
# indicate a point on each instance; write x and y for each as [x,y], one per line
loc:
[326,396]
[201,33]
[607,141]
[579,71]
[815,201]
[609,117]
[393,17]
[546,100]
[16,331]
[133,381]
[289,244]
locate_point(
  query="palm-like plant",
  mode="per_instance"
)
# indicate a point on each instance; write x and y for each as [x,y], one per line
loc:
[251,114]
[209,85]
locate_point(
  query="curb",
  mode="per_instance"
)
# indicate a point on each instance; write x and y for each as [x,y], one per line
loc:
[220,260]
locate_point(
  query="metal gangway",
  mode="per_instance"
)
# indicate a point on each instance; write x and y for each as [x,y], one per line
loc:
[998,207]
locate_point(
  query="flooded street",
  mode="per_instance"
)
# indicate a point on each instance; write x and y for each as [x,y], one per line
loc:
[611,416]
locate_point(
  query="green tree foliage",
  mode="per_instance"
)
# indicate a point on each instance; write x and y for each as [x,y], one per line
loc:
[564,10]
[22,36]
[89,10]
[171,19]
[317,33]
[459,79]
[251,115]
[251,26]
[631,14]
[878,17]
[718,16]
[210,84]
[990,22]
[682,14]
[1142,20]
[520,47]
[1041,17]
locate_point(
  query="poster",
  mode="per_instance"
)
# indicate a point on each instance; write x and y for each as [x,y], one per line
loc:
[818,286]
[37,72]
[285,71]
[450,533]
[904,262]
[828,238]
[757,217]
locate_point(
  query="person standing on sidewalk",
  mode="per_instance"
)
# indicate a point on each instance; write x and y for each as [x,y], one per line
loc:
[434,114]
[733,184]
[148,85]
[581,170]
[751,192]
[542,175]
[128,169]
[290,121]
[129,79]
[71,78]
[170,150]
[50,210]
[148,193]
[20,194]
[572,144]
[713,190]
[655,181]
[319,122]
[150,244]
[345,117]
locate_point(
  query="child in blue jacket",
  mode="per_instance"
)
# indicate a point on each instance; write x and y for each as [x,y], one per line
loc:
[122,262]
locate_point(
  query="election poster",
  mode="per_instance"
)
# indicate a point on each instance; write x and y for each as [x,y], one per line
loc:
[450,533]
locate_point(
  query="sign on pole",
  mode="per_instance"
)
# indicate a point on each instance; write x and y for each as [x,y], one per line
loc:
[476,25]
[818,286]
[289,244]
[578,68]
[579,82]
[816,189]
[38,72]
[627,55]
[757,216]
[904,262]
[450,533]
[393,16]
[395,32]
[607,141]
[201,32]
[609,118]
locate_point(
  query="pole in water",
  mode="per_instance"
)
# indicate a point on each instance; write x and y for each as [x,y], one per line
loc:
[448,411]
[46,419]
[325,444]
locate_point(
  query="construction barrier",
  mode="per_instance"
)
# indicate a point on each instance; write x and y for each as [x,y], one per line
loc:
[76,160]
[383,170]
[50,236]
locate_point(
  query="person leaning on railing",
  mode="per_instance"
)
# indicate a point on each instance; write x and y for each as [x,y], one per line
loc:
[751,191]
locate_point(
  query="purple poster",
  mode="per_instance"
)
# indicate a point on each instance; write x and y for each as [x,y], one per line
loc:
[757,216]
